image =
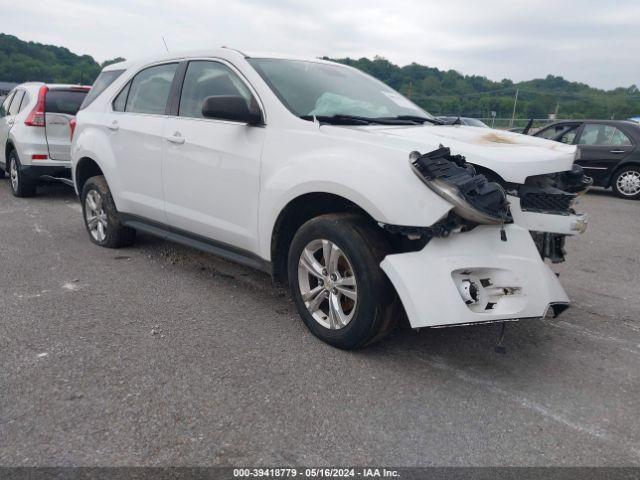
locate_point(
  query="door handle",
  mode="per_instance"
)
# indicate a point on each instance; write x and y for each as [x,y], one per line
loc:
[10,122]
[616,151]
[176,138]
[114,125]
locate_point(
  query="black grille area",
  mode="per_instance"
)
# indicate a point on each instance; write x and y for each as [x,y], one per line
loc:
[559,203]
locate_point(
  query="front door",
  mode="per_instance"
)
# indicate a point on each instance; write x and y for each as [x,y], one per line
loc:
[211,168]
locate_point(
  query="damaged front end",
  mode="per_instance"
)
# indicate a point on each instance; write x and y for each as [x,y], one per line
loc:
[474,198]
[545,205]
[493,268]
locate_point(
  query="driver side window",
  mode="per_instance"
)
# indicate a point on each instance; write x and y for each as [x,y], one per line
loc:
[569,136]
[205,79]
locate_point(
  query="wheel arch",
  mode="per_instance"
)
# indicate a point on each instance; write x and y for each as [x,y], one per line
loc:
[86,168]
[621,166]
[295,213]
[7,149]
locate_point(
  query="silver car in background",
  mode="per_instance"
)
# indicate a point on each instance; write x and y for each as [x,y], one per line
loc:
[36,126]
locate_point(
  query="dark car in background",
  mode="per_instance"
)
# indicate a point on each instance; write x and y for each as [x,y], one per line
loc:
[609,151]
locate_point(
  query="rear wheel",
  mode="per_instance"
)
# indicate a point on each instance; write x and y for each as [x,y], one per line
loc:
[626,182]
[339,289]
[20,187]
[101,217]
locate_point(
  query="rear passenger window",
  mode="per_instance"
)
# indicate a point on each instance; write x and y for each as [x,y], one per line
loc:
[15,103]
[603,135]
[64,101]
[149,90]
[207,79]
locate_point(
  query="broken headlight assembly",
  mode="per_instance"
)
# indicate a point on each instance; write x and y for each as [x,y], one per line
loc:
[473,197]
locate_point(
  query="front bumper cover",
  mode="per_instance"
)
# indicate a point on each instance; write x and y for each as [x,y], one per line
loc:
[474,277]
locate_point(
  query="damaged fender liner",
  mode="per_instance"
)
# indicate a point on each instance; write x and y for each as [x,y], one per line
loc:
[441,228]
[474,197]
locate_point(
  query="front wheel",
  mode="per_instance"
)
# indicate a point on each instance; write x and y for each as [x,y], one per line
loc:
[626,182]
[101,217]
[339,289]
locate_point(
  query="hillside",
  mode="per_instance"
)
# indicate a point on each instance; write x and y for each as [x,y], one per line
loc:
[438,91]
[22,61]
[449,92]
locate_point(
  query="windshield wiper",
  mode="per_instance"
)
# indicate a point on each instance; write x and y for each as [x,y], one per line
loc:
[419,119]
[338,119]
[341,119]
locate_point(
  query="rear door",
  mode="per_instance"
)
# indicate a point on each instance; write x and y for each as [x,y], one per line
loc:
[602,148]
[136,128]
[61,106]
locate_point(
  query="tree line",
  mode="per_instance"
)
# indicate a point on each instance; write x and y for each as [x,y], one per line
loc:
[451,93]
[438,91]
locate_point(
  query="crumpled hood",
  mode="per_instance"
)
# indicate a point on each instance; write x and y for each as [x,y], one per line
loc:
[513,156]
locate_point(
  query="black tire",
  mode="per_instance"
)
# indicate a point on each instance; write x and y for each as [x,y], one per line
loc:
[377,306]
[633,170]
[2,174]
[20,187]
[116,235]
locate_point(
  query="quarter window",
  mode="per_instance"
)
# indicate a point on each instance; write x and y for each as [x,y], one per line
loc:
[25,102]
[603,135]
[100,85]
[120,102]
[15,103]
[207,79]
[149,90]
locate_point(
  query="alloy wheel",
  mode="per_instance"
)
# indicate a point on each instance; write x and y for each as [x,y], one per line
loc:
[95,216]
[629,183]
[13,174]
[327,284]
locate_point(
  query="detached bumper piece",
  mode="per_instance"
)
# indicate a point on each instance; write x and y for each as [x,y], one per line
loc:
[474,197]
[553,194]
[554,201]
[475,278]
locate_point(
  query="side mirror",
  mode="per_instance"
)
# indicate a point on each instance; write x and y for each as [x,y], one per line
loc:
[230,107]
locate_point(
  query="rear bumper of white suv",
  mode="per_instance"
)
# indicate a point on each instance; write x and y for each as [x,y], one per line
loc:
[475,277]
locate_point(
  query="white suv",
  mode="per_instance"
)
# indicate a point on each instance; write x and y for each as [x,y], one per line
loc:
[333,182]
[36,122]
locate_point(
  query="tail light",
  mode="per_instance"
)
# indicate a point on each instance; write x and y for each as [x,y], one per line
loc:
[37,116]
[72,127]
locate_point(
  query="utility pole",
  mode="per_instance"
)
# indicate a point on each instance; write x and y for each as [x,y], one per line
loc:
[513,115]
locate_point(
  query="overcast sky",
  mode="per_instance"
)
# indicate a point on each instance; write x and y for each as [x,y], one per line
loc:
[596,42]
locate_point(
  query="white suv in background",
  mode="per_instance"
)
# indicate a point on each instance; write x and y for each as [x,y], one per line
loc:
[36,122]
[333,182]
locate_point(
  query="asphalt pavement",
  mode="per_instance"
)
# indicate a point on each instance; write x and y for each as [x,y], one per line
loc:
[161,355]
